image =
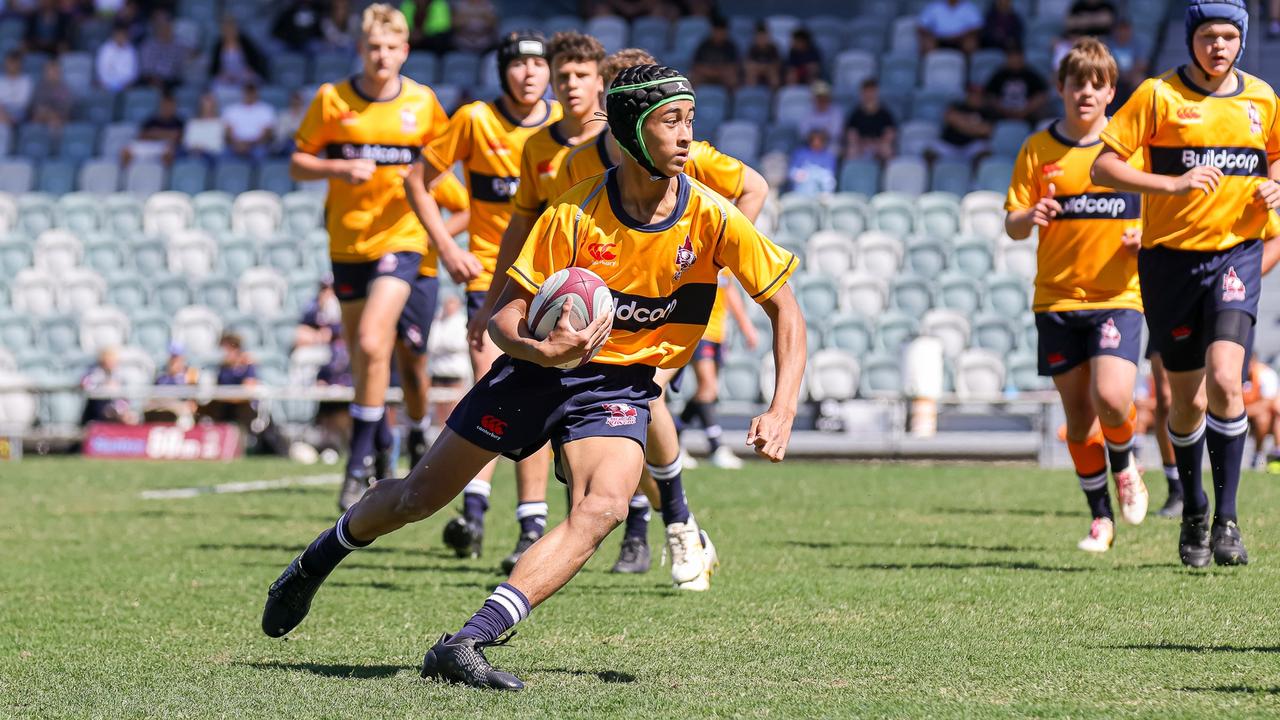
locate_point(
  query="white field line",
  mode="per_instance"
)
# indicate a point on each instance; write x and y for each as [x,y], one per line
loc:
[240,487]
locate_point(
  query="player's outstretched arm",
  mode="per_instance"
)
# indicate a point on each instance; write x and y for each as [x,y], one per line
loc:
[755,190]
[771,431]
[563,344]
[460,264]
[733,303]
[1113,171]
[508,250]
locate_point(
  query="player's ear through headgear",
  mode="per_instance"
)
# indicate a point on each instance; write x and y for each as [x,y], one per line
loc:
[516,45]
[634,94]
[1200,12]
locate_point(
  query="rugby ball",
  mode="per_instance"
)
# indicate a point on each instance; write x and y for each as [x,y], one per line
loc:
[588,298]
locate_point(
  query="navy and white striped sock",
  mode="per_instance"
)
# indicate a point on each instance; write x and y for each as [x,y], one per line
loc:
[1188,450]
[504,608]
[532,517]
[670,491]
[1225,439]
[1097,495]
[638,513]
[330,547]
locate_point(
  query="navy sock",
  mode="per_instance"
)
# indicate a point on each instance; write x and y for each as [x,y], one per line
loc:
[329,548]
[532,517]
[504,608]
[1097,495]
[1225,440]
[638,518]
[383,438]
[670,492]
[1118,456]
[1175,482]
[364,428]
[1189,452]
[475,501]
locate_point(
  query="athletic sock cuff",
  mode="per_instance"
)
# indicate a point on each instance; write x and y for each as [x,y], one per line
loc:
[511,600]
[639,501]
[1230,427]
[1190,438]
[476,487]
[342,533]
[665,472]
[1093,482]
[424,424]
[367,413]
[531,509]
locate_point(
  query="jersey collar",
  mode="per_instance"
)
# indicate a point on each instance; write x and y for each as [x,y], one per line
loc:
[603,149]
[615,203]
[502,109]
[1185,77]
[355,87]
[1056,135]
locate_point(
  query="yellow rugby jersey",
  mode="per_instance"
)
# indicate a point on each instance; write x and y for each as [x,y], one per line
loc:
[372,219]
[663,275]
[716,323]
[450,195]
[1080,263]
[720,172]
[1176,126]
[488,142]
[540,162]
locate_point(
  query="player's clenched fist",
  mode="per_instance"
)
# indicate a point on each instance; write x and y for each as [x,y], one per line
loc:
[1204,178]
[357,171]
[1269,193]
[1046,209]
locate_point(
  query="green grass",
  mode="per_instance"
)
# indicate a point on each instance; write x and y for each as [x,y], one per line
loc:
[846,590]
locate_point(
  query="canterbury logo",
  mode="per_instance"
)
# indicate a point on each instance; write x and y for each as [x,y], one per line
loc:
[494,425]
[1189,113]
[601,252]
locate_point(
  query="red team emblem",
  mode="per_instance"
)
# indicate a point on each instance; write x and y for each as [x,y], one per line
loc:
[684,258]
[1182,332]
[619,414]
[1110,335]
[1056,359]
[493,425]
[1232,287]
[546,167]
[602,252]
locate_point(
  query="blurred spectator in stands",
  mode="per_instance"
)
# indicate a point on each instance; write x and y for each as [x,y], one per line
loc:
[966,128]
[250,124]
[823,115]
[1273,12]
[475,25]
[321,322]
[48,29]
[161,58]
[1090,17]
[949,24]
[813,166]
[450,365]
[108,7]
[871,130]
[298,26]
[16,89]
[287,123]
[1261,388]
[132,16]
[236,59]
[1015,91]
[430,24]
[237,366]
[340,26]
[716,59]
[52,102]
[175,373]
[159,136]
[117,62]
[102,378]
[626,9]
[205,134]
[1132,58]
[804,60]
[763,65]
[1002,26]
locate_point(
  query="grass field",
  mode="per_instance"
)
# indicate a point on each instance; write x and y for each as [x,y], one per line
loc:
[846,590]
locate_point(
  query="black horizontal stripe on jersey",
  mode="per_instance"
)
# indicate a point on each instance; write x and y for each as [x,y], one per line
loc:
[690,304]
[1242,161]
[1100,206]
[379,154]
[492,188]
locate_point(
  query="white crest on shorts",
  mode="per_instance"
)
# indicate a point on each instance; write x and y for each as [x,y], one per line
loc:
[619,414]
[1111,336]
[1233,289]
[388,263]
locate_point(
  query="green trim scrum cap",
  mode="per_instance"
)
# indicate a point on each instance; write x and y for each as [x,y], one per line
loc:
[635,93]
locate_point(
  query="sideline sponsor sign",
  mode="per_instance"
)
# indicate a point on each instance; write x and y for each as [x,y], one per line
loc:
[161,441]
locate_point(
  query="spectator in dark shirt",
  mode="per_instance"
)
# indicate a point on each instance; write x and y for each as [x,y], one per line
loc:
[158,139]
[161,58]
[966,128]
[764,62]
[1090,17]
[237,366]
[48,29]
[176,373]
[1015,91]
[236,59]
[299,25]
[321,322]
[716,60]
[176,370]
[1002,26]
[871,130]
[804,61]
[52,101]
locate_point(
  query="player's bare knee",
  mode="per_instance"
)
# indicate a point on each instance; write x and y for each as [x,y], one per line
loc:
[1224,382]
[373,343]
[602,513]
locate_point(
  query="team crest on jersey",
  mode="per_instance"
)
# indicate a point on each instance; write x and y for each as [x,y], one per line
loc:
[388,264]
[1233,289]
[349,117]
[497,147]
[409,120]
[603,253]
[619,414]
[1255,118]
[685,258]
[1110,336]
[1189,115]
[1051,170]
[546,168]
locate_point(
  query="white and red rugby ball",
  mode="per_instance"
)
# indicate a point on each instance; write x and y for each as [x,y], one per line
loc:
[588,298]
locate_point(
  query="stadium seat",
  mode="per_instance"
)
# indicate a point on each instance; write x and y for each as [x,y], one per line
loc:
[289,69]
[115,138]
[17,175]
[960,293]
[144,178]
[135,367]
[792,104]
[137,103]
[273,176]
[8,363]
[881,376]
[879,253]
[462,68]
[236,255]
[852,67]
[949,326]
[126,291]
[326,66]
[18,408]
[256,215]
[1007,295]
[283,254]
[939,215]
[36,212]
[751,103]
[993,174]
[851,333]
[833,375]
[739,380]
[859,176]
[80,289]
[799,216]
[688,33]
[903,35]
[34,292]
[894,214]
[1024,374]
[610,30]
[995,333]
[866,32]
[766,378]
[984,63]
[982,213]
[167,213]
[302,213]
[233,175]
[979,375]
[450,97]
[189,176]
[972,256]
[80,213]
[170,293]
[651,31]
[103,327]
[123,215]
[915,136]
[8,213]
[17,330]
[280,332]
[106,255]
[77,71]
[15,255]
[943,69]
[950,176]
[57,251]
[262,292]
[911,294]
[864,294]
[217,294]
[99,176]
[1007,138]
[213,211]
[302,290]
[96,106]
[150,331]
[740,139]
[33,142]
[197,328]
[906,175]
[831,252]
[818,295]
[150,257]
[61,335]
[848,213]
[56,176]
[421,67]
[192,253]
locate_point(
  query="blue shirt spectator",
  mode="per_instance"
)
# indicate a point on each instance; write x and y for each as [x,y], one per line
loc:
[813,167]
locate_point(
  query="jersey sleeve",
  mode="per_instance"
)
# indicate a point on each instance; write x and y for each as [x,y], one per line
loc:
[723,173]
[450,194]
[761,266]
[1273,137]
[453,145]
[1022,191]
[1134,122]
[432,118]
[548,248]
[527,201]
[313,131]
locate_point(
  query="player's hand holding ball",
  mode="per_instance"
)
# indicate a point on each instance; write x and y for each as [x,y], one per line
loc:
[1269,193]
[1046,208]
[1204,178]
[572,316]
[355,172]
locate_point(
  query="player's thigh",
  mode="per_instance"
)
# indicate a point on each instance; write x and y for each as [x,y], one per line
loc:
[663,441]
[1187,390]
[413,368]
[603,473]
[1076,392]
[351,312]
[382,308]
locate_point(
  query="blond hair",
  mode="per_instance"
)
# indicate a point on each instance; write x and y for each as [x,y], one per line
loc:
[1088,60]
[623,59]
[381,16]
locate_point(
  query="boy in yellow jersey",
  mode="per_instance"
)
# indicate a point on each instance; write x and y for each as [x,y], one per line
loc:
[1210,140]
[1088,306]
[679,234]
[414,326]
[362,134]
[488,139]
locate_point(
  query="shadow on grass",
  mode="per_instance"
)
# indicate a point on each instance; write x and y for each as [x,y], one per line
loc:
[1179,647]
[1244,689]
[820,545]
[359,672]
[276,547]
[394,587]
[1025,512]
[605,676]
[989,565]
[455,569]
